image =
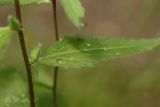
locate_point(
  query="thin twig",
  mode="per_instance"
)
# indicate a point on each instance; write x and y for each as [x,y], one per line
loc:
[25,55]
[54,4]
[55,80]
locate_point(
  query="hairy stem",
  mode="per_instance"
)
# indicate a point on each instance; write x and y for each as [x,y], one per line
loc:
[55,75]
[25,55]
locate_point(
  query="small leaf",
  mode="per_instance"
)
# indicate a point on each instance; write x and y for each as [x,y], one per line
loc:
[14,23]
[35,54]
[81,51]
[5,37]
[74,11]
[23,2]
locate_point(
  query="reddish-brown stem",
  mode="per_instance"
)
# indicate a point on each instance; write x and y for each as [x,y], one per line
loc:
[54,5]
[55,81]
[55,76]
[25,55]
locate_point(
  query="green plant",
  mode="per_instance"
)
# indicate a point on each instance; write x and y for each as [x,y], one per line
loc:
[68,52]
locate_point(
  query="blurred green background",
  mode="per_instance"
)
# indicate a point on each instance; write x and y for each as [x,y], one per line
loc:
[124,82]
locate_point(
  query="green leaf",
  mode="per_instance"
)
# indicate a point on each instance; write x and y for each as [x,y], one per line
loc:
[23,2]
[83,51]
[74,11]
[35,53]
[5,37]
[14,23]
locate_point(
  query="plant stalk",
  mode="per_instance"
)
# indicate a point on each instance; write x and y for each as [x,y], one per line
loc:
[55,75]
[25,55]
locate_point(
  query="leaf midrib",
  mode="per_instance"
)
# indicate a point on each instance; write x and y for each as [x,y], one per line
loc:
[85,50]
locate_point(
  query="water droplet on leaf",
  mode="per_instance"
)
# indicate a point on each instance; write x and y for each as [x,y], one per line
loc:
[60,39]
[117,53]
[88,44]
[71,58]
[59,61]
